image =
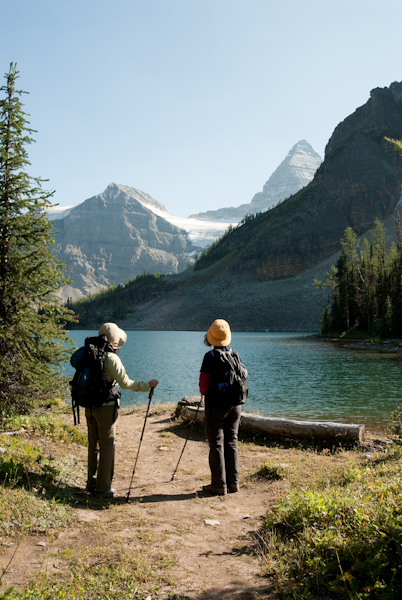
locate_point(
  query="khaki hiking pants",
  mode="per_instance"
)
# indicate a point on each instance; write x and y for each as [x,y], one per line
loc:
[101,422]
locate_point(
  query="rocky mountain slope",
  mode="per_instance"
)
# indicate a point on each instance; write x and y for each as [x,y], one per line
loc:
[117,235]
[360,180]
[260,276]
[294,172]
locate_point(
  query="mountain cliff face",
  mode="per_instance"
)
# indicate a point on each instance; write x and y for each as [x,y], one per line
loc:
[360,180]
[114,236]
[260,275]
[294,172]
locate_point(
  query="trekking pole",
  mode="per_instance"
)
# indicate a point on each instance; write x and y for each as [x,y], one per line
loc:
[151,391]
[188,435]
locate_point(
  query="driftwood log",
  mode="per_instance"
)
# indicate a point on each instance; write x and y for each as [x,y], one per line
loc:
[318,430]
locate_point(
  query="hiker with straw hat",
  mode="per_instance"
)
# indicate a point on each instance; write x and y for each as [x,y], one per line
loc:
[101,421]
[221,418]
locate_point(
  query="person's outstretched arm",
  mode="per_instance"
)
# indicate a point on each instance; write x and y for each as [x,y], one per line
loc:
[114,370]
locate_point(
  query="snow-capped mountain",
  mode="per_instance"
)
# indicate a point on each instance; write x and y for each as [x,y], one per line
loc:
[294,173]
[123,232]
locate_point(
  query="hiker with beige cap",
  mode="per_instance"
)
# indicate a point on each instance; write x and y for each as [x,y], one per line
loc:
[101,421]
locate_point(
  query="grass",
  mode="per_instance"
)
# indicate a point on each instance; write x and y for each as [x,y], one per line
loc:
[269,471]
[37,485]
[46,425]
[158,408]
[34,489]
[340,538]
[101,572]
[48,420]
[23,512]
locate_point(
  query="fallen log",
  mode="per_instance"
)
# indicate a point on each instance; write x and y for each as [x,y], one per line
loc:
[317,430]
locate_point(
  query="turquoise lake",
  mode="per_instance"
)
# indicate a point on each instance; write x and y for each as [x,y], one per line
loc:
[291,375]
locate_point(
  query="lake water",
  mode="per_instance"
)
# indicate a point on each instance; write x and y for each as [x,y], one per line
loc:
[291,375]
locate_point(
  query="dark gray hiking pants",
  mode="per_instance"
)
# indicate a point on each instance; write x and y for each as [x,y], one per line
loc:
[221,429]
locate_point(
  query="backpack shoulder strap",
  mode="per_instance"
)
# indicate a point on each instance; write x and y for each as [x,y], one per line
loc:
[224,351]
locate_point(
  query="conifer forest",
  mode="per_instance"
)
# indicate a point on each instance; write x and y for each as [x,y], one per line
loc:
[364,288]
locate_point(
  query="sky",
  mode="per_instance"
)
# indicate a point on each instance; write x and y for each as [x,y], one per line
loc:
[195,102]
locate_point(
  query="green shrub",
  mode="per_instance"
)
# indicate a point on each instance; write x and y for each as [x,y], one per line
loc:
[49,425]
[24,511]
[396,426]
[344,540]
[269,471]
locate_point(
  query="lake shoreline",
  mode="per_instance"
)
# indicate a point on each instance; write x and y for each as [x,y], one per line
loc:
[388,346]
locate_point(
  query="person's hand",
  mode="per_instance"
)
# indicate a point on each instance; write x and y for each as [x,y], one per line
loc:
[153,383]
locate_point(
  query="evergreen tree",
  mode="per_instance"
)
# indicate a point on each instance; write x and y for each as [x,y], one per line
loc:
[32,318]
[347,288]
[365,286]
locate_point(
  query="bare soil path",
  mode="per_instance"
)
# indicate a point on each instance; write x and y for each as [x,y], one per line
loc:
[207,547]
[213,538]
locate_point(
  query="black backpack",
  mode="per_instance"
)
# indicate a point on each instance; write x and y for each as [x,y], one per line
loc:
[231,381]
[88,387]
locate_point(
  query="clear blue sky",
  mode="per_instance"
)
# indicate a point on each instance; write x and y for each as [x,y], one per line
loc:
[195,102]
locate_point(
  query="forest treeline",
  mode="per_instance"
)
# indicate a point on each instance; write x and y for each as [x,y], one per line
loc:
[116,301]
[364,288]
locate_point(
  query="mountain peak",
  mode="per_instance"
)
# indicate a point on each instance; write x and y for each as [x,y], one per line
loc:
[294,172]
[302,145]
[116,191]
[303,148]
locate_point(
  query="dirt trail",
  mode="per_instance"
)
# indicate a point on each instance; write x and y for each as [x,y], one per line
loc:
[214,559]
[211,541]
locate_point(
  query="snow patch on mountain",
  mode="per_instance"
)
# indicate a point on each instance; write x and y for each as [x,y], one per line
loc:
[200,233]
[58,212]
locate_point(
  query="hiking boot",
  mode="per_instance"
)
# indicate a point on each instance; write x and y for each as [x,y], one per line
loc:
[109,494]
[213,491]
[233,489]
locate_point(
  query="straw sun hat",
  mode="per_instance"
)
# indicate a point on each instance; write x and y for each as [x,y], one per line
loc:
[219,333]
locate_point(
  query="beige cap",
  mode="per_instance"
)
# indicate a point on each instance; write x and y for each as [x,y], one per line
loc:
[219,333]
[115,336]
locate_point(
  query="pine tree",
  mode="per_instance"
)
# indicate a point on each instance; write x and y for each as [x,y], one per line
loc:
[347,275]
[32,319]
